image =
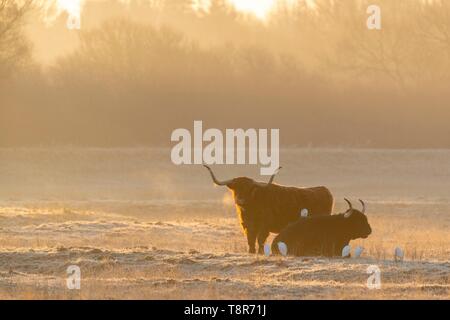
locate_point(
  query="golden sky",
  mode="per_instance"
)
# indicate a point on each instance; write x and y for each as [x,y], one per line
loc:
[259,8]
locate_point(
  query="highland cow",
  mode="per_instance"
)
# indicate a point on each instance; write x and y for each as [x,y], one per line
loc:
[324,235]
[266,207]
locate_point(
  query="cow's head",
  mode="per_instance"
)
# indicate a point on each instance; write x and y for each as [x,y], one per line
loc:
[241,187]
[358,225]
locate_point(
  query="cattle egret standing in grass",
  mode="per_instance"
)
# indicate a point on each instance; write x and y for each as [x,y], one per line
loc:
[282,247]
[267,250]
[398,254]
[358,252]
[304,213]
[346,251]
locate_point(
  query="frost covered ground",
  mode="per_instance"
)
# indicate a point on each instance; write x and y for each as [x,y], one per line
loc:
[139,227]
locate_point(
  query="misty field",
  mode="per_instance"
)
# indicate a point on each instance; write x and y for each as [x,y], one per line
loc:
[140,227]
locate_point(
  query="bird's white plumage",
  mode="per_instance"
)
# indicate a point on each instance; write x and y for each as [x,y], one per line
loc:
[346,251]
[283,248]
[304,213]
[267,251]
[358,252]
[398,254]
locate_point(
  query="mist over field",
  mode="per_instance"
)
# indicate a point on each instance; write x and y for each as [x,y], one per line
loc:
[136,71]
[141,228]
[86,116]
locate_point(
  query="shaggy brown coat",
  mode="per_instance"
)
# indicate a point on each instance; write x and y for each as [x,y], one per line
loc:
[265,207]
[323,235]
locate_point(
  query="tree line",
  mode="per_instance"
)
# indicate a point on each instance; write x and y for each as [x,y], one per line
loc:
[319,75]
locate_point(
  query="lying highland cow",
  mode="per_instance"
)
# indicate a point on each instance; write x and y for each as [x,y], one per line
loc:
[267,207]
[323,235]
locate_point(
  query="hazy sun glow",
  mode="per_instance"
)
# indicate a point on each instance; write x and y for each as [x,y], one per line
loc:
[72,7]
[258,8]
[54,8]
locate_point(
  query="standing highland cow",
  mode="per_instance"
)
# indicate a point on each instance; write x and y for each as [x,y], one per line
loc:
[267,207]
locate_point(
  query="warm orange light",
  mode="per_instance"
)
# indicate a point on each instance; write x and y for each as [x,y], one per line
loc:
[261,9]
[72,7]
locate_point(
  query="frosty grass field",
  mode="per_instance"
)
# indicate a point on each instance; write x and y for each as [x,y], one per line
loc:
[140,227]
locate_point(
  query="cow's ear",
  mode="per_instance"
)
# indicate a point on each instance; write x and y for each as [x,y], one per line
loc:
[348,214]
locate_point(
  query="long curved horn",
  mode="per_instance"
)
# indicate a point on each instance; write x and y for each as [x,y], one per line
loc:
[363,206]
[349,204]
[350,209]
[217,182]
[273,176]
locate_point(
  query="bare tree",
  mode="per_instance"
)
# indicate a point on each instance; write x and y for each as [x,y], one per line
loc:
[408,52]
[14,48]
[434,23]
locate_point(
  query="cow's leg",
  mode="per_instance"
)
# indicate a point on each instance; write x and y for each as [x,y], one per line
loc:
[250,229]
[251,239]
[262,236]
